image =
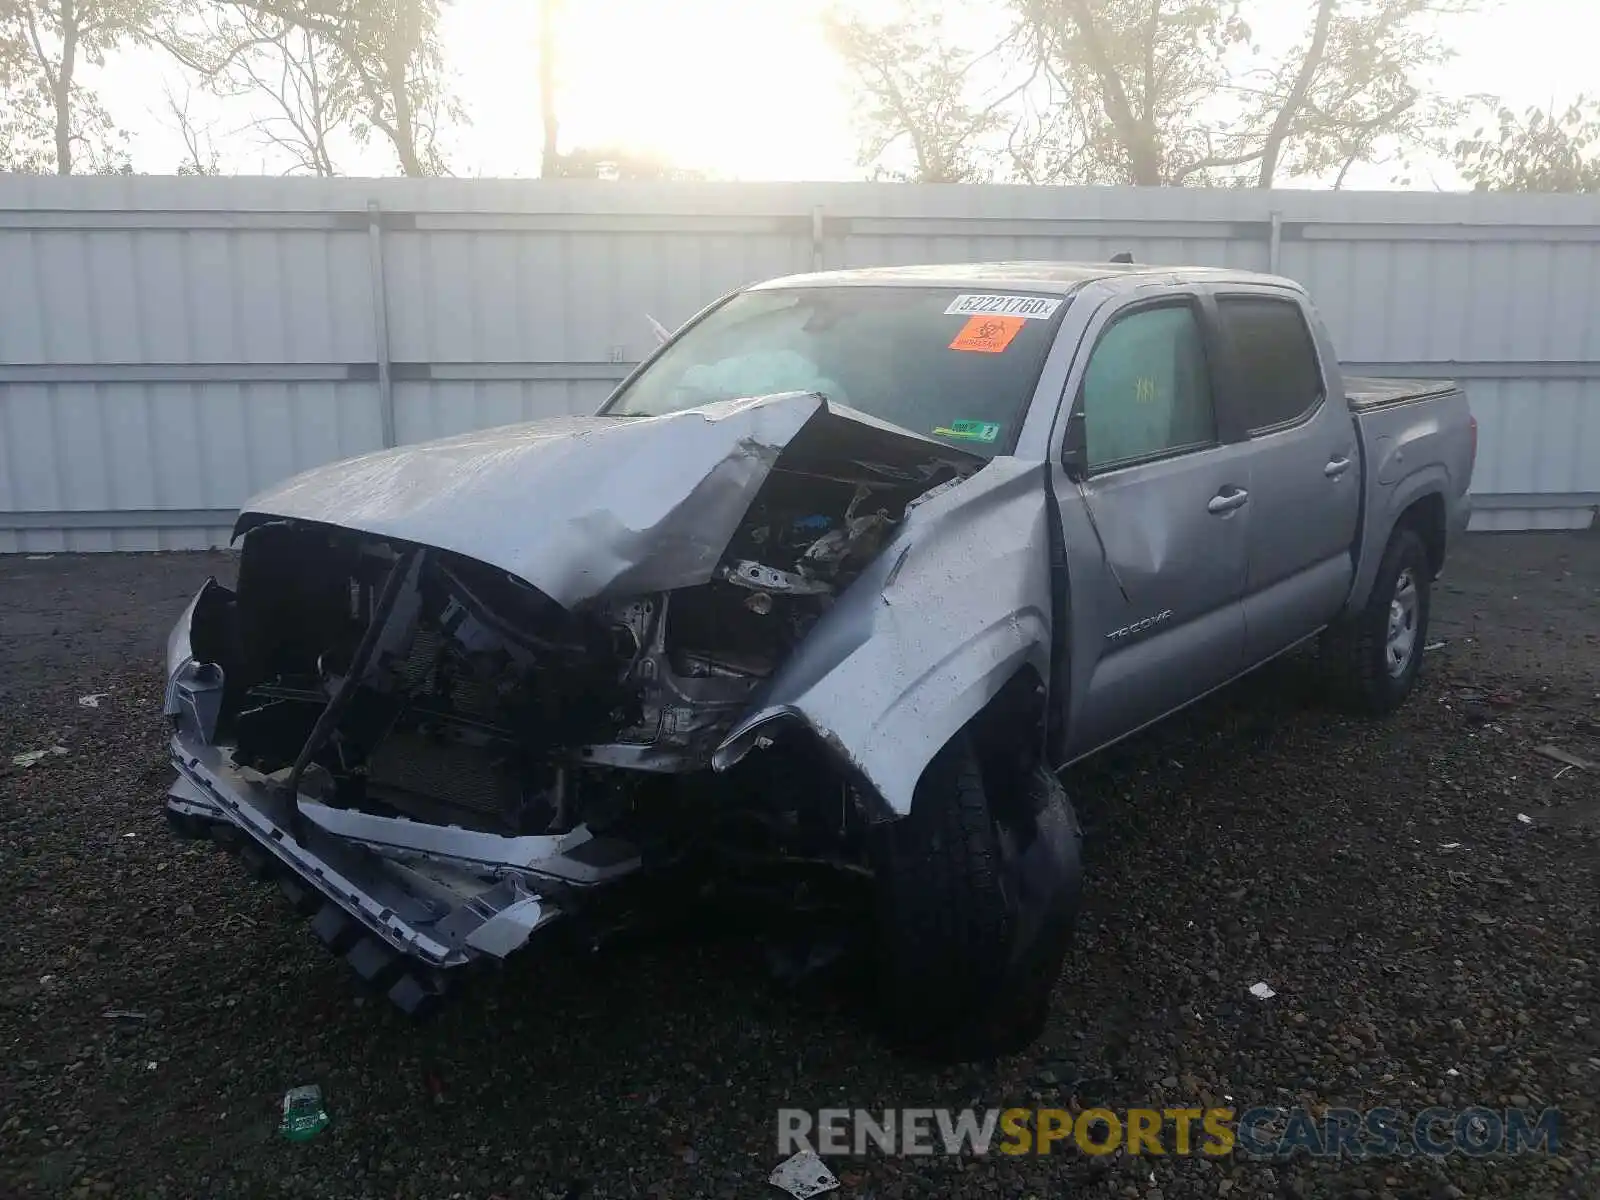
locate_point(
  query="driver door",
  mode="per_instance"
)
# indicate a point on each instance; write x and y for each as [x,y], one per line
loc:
[1156,526]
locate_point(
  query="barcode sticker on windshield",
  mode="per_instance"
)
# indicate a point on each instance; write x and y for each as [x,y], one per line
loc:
[1032,307]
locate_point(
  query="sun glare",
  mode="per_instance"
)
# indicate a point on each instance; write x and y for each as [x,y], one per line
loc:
[738,88]
[742,89]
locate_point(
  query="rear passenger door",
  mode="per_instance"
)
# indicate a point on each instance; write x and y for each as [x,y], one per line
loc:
[1156,530]
[1306,477]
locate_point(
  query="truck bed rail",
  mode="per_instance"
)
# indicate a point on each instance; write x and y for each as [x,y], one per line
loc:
[1366,392]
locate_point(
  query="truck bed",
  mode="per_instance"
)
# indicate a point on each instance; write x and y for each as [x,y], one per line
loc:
[1416,435]
[1371,391]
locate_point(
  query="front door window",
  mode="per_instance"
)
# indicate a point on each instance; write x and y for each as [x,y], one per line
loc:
[1146,393]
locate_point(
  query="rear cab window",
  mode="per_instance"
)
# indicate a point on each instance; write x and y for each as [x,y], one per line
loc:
[952,363]
[1277,378]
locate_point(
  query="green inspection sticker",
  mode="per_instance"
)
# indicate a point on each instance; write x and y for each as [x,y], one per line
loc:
[970,431]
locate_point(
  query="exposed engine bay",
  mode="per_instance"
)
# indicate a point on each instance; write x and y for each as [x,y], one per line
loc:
[468,687]
[480,703]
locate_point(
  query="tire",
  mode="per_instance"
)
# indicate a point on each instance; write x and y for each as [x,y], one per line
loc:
[1360,653]
[974,914]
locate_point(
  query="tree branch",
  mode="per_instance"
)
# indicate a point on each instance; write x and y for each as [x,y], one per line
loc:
[43,59]
[317,20]
[1138,141]
[1338,183]
[1205,164]
[1290,108]
[1150,61]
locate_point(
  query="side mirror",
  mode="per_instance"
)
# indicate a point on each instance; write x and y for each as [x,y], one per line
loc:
[1074,448]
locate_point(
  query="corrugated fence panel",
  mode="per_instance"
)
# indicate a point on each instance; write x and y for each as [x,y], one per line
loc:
[163,296]
[169,346]
[1454,302]
[1544,431]
[108,447]
[501,295]
[100,452]
[440,409]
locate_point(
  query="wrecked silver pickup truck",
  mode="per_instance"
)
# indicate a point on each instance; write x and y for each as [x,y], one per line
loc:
[837,581]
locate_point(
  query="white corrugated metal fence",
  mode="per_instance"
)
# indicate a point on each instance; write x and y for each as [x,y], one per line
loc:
[168,346]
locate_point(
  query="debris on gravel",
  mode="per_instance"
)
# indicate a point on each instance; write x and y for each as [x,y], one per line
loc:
[1425,947]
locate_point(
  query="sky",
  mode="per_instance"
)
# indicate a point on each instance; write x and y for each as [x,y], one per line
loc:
[747,89]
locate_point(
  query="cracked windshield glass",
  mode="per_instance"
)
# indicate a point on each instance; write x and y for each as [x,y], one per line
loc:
[951,364]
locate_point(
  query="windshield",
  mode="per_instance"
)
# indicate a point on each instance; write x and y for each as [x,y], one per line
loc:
[955,365]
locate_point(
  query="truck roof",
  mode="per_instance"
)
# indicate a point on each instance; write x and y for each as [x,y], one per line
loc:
[1057,278]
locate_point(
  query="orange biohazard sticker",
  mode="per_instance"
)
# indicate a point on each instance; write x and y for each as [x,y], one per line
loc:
[988,335]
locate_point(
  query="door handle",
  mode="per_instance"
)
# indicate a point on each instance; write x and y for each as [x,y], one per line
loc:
[1336,468]
[1226,502]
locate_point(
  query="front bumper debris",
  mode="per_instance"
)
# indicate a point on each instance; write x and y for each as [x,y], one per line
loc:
[404,902]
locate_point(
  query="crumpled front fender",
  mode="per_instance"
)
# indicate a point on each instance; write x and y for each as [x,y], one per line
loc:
[951,610]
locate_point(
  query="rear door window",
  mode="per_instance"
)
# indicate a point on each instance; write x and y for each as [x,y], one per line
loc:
[1277,376]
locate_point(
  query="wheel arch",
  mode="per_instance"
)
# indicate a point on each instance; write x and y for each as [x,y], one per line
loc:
[1418,502]
[1426,516]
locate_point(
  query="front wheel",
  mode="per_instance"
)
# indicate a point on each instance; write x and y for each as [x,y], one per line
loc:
[977,896]
[1374,657]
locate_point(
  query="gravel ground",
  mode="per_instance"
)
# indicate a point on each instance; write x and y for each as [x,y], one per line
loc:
[1258,838]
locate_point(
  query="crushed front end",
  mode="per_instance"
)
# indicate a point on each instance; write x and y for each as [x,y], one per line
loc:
[436,757]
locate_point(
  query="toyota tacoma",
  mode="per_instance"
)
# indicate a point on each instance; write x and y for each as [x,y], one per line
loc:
[834,585]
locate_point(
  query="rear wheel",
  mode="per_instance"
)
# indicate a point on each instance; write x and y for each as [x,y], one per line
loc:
[976,902]
[1373,658]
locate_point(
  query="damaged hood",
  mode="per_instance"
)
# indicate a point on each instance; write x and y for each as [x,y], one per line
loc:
[597,507]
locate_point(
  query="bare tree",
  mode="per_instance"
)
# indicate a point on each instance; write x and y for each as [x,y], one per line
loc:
[45,44]
[1163,92]
[311,92]
[1127,67]
[200,151]
[390,48]
[924,93]
[1354,96]
[1283,121]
